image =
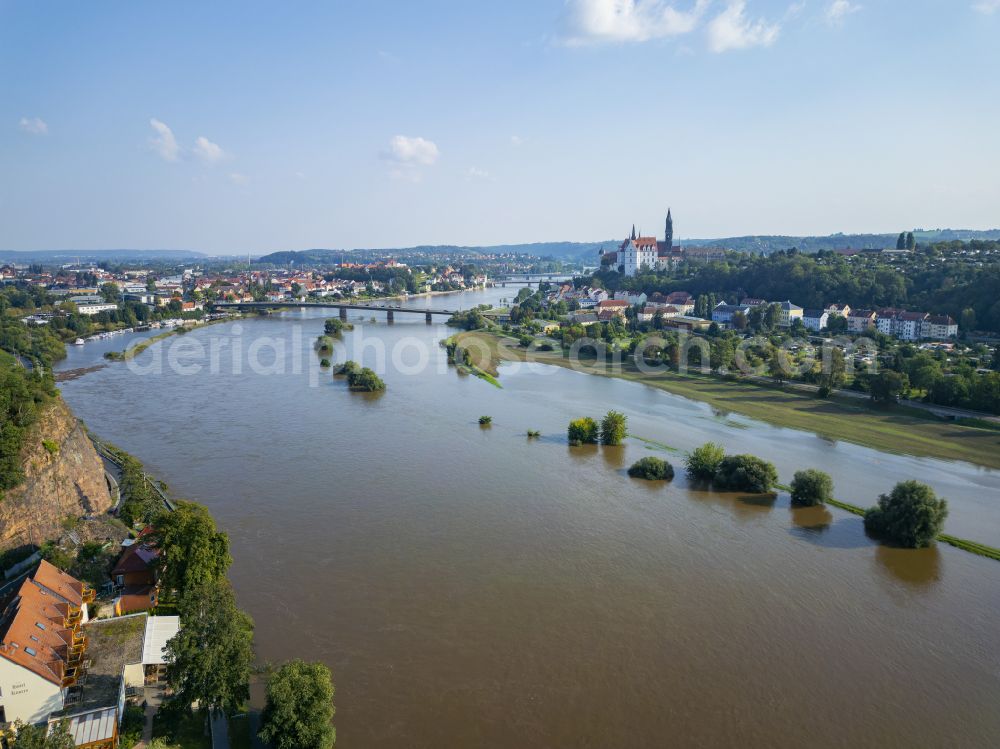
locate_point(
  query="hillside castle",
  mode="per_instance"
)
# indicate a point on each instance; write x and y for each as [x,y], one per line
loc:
[638,252]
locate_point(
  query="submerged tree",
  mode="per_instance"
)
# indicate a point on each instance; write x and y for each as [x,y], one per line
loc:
[614,427]
[911,515]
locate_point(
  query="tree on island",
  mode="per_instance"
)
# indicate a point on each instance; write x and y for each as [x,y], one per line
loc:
[651,469]
[746,473]
[192,551]
[299,709]
[911,515]
[614,427]
[365,380]
[211,658]
[703,462]
[811,487]
[584,431]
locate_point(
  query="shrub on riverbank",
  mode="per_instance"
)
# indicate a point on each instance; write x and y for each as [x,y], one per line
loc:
[324,362]
[583,431]
[324,345]
[703,462]
[911,515]
[746,473]
[811,487]
[614,427]
[651,469]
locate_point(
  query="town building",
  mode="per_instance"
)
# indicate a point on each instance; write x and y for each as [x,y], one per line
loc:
[815,319]
[789,314]
[861,320]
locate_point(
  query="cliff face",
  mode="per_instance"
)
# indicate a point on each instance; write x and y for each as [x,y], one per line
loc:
[66,480]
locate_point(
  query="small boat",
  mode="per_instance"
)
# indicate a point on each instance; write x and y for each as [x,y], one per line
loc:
[78,342]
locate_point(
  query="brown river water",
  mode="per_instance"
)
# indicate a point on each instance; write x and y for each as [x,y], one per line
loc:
[473,588]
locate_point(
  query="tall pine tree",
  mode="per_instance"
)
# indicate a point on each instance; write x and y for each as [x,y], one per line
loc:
[910,241]
[901,241]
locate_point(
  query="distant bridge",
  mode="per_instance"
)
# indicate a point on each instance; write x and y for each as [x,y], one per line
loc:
[530,279]
[389,310]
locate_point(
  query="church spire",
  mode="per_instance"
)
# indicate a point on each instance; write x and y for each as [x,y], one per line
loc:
[669,231]
[633,231]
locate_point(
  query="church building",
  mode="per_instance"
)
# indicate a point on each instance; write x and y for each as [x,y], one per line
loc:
[639,253]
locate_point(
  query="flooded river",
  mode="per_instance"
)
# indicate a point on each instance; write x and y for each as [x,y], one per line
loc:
[473,588]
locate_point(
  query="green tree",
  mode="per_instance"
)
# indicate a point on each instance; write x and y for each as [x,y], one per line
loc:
[746,473]
[703,462]
[910,241]
[39,737]
[911,515]
[299,709]
[888,385]
[651,469]
[110,292]
[211,658]
[614,427]
[811,487]
[192,551]
[584,431]
[901,241]
[967,320]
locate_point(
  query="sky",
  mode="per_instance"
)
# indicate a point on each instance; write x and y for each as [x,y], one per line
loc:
[232,127]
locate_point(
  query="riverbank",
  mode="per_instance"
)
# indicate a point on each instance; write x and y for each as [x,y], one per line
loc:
[130,353]
[889,429]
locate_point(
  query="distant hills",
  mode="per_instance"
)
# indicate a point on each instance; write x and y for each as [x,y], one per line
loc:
[72,256]
[586,252]
[578,252]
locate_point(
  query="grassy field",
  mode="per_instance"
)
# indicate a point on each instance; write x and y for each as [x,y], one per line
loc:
[890,429]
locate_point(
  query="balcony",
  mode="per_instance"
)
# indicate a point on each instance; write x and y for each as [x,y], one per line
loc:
[72,621]
[79,640]
[89,594]
[69,678]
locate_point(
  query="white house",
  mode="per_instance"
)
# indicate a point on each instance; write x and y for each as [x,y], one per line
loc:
[815,319]
[636,254]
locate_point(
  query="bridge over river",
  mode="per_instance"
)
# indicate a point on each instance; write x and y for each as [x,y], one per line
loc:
[389,310]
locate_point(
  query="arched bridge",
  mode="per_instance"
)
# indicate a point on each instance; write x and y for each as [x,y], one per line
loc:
[389,310]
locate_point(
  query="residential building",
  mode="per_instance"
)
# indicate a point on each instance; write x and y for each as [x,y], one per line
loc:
[135,576]
[42,647]
[723,313]
[613,307]
[815,319]
[861,320]
[939,327]
[789,314]
[631,297]
[838,310]
[93,309]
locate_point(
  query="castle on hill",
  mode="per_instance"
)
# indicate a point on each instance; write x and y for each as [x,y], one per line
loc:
[638,252]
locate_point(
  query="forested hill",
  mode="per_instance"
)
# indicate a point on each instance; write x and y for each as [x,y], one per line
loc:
[953,278]
[767,244]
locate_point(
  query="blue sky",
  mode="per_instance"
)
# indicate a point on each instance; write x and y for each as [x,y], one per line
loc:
[251,126]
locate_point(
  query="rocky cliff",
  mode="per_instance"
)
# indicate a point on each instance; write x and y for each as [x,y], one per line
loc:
[63,477]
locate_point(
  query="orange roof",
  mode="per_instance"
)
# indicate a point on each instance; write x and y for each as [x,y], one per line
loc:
[32,632]
[58,582]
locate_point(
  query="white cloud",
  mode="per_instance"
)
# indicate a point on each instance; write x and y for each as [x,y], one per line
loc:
[839,10]
[207,151]
[595,21]
[238,179]
[164,142]
[34,125]
[988,7]
[475,173]
[516,140]
[412,151]
[731,29]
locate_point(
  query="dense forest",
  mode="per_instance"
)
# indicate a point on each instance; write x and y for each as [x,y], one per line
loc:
[945,278]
